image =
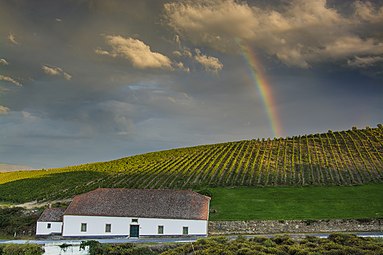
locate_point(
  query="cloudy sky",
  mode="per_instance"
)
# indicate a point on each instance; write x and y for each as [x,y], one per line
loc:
[84,81]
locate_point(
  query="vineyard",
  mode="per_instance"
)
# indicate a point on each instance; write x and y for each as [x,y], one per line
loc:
[334,158]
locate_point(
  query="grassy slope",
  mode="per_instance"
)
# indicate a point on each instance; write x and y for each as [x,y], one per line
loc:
[334,158]
[282,203]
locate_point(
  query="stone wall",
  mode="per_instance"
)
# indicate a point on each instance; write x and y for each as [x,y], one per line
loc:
[294,226]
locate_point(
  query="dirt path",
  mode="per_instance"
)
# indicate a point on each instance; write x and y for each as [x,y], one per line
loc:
[35,204]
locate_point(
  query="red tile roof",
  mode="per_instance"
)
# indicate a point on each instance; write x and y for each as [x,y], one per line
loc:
[52,215]
[141,203]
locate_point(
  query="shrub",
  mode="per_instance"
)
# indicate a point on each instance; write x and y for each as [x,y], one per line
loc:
[280,245]
[205,192]
[246,251]
[342,238]
[309,222]
[283,239]
[219,239]
[22,249]
[18,220]
[269,243]
[94,247]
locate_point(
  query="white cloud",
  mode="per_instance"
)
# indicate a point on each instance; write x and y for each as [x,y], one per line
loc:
[298,33]
[211,21]
[187,53]
[10,79]
[3,90]
[3,62]
[67,76]
[367,12]
[3,110]
[182,67]
[12,38]
[55,71]
[136,51]
[177,53]
[364,62]
[29,116]
[209,63]
[178,41]
[51,70]
[102,52]
[352,45]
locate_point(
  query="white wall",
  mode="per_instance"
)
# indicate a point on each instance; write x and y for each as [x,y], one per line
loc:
[121,226]
[42,228]
[149,226]
[95,225]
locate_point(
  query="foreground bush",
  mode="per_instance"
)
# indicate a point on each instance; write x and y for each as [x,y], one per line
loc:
[21,249]
[96,248]
[336,244]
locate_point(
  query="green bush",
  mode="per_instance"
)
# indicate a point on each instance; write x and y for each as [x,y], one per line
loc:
[21,249]
[94,247]
[269,243]
[283,239]
[206,192]
[16,220]
[338,244]
[246,251]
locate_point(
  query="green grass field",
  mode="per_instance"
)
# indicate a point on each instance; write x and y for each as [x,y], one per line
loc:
[284,203]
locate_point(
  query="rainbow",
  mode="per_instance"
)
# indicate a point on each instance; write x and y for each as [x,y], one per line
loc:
[263,88]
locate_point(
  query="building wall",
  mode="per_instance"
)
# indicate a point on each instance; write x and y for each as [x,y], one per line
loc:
[42,228]
[120,226]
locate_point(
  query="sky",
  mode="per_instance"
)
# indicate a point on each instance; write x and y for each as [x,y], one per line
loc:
[84,81]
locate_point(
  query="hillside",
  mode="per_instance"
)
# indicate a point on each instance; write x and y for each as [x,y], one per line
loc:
[334,158]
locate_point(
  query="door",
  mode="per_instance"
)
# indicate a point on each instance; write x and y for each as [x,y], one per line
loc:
[134,230]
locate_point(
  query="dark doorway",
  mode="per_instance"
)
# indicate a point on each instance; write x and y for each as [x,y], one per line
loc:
[134,230]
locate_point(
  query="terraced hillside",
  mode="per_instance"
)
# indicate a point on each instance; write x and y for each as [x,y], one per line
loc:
[334,158]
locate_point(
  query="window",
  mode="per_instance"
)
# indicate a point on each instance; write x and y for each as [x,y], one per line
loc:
[83,227]
[185,230]
[49,225]
[160,229]
[135,220]
[108,228]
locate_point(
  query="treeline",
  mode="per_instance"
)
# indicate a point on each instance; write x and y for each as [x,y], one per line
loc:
[334,158]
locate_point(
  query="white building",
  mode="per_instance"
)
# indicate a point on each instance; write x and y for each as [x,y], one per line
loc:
[130,213]
[50,222]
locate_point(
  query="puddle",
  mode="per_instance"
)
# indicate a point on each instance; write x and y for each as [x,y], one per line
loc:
[73,249]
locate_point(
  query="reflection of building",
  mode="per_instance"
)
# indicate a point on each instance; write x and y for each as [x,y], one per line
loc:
[129,212]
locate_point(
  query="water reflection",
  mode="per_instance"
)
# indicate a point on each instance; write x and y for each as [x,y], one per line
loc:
[70,249]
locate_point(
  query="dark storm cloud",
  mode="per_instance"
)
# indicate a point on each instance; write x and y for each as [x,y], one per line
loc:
[107,79]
